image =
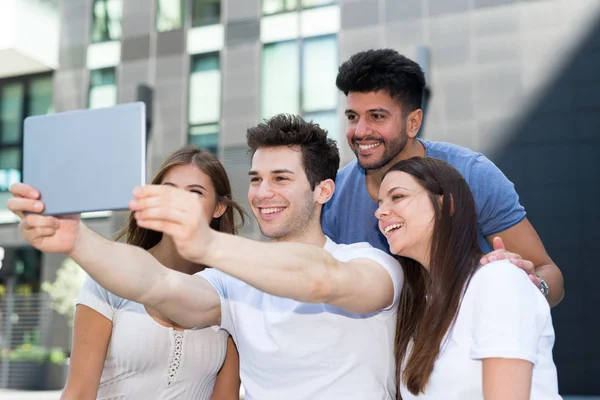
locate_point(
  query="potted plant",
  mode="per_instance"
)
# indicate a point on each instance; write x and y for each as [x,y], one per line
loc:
[29,361]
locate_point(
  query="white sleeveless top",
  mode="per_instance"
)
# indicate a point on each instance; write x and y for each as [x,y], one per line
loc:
[146,360]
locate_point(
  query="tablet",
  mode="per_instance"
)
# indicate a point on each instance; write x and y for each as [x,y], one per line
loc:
[86,160]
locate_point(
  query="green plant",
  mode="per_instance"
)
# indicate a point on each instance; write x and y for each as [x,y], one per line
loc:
[30,350]
[63,291]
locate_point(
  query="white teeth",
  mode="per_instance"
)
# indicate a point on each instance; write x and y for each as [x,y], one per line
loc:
[368,146]
[389,228]
[271,210]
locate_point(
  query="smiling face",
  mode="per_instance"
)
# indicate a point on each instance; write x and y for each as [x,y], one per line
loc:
[376,129]
[406,216]
[280,195]
[191,178]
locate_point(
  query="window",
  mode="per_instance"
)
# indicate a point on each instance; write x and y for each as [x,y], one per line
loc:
[206,12]
[103,88]
[308,86]
[280,6]
[106,23]
[169,15]
[19,98]
[205,101]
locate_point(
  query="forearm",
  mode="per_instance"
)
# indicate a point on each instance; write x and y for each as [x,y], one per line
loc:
[294,270]
[553,277]
[124,270]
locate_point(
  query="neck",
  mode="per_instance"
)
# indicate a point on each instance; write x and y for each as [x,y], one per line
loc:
[311,234]
[374,177]
[166,253]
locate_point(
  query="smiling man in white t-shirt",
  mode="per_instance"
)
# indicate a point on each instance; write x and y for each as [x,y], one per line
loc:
[312,319]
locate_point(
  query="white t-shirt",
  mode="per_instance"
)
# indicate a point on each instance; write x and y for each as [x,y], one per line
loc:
[291,350]
[502,315]
[146,360]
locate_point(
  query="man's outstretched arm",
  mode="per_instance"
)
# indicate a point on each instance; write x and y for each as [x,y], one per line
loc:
[133,273]
[366,283]
[127,271]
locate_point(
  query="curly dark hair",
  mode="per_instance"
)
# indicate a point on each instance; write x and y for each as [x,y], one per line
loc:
[320,154]
[383,69]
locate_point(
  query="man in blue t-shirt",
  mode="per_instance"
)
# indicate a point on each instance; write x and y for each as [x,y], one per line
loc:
[384,91]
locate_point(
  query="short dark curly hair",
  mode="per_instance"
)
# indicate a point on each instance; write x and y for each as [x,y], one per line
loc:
[383,69]
[320,154]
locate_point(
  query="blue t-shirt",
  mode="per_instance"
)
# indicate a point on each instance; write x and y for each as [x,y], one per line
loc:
[349,216]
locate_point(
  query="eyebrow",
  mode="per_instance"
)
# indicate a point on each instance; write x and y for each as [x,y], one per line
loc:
[275,171]
[371,110]
[193,186]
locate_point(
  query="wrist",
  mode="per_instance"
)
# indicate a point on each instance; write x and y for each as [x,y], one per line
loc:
[213,249]
[79,241]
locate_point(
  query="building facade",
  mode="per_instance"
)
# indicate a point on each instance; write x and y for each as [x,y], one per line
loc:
[515,79]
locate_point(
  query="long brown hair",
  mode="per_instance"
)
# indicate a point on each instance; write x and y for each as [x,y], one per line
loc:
[212,167]
[430,301]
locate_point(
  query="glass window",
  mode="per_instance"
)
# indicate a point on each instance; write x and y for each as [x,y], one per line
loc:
[270,7]
[103,88]
[319,70]
[315,3]
[19,98]
[206,12]
[327,120]
[204,110]
[278,6]
[205,136]
[40,96]
[106,20]
[169,15]
[11,112]
[205,90]
[302,85]
[280,88]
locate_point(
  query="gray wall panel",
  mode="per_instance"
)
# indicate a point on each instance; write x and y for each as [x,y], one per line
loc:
[242,9]
[360,13]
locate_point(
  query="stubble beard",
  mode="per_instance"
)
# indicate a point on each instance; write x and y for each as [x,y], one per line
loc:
[392,149]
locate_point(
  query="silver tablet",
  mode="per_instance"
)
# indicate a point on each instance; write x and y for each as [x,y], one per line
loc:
[86,160]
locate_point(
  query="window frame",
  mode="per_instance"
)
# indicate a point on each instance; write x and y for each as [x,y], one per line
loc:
[106,33]
[301,50]
[190,126]
[89,90]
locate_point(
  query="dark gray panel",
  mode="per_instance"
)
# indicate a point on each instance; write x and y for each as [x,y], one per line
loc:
[72,57]
[360,13]
[491,3]
[135,48]
[240,32]
[438,7]
[396,10]
[172,42]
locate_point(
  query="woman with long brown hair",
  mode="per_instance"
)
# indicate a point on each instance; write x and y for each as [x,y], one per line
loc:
[464,331]
[122,349]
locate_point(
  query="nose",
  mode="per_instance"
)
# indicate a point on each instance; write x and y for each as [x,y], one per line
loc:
[382,212]
[362,129]
[264,190]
